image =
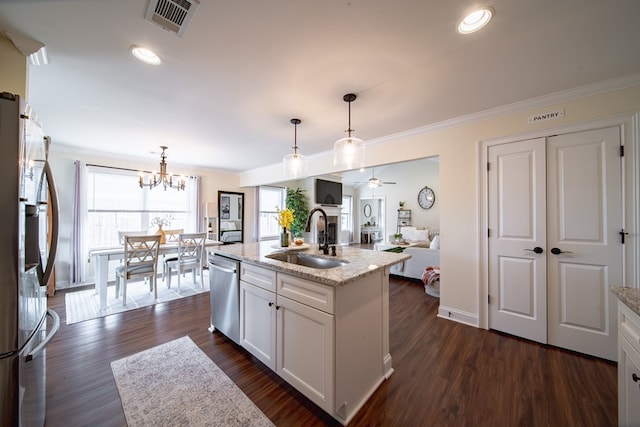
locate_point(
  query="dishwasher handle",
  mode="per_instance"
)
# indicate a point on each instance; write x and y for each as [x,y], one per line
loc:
[226,270]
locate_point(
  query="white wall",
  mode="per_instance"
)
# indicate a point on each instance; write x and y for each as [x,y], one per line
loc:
[457,143]
[62,162]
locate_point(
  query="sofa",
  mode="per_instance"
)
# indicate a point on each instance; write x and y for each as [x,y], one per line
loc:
[414,267]
[425,252]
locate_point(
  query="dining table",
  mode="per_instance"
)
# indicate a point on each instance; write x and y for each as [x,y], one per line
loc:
[102,257]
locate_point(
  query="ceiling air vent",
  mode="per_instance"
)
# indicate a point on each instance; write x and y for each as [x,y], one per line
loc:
[172,15]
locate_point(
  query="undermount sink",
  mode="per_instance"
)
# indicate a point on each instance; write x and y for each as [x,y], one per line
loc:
[306,260]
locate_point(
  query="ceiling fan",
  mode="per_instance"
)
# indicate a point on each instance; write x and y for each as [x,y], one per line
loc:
[374,182]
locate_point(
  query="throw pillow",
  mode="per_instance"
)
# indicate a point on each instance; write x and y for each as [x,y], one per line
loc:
[435,243]
[421,235]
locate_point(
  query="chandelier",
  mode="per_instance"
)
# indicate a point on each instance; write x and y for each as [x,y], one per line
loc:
[163,178]
[295,165]
[349,152]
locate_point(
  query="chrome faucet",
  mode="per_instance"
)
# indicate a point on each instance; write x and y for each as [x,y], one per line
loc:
[325,245]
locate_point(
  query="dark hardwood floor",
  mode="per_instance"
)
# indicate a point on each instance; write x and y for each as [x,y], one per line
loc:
[446,374]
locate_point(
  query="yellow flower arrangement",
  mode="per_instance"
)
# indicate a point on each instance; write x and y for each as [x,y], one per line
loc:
[285,217]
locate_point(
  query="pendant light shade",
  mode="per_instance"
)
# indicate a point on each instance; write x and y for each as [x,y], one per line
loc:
[295,164]
[349,152]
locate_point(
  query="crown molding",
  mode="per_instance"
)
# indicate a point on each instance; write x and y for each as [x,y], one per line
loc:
[604,86]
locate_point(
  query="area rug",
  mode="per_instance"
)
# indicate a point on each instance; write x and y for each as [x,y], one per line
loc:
[84,305]
[176,384]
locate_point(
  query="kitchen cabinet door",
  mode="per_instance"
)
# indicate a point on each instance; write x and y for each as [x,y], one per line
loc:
[305,350]
[628,384]
[258,323]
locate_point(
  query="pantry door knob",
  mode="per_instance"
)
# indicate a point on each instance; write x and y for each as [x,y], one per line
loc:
[537,250]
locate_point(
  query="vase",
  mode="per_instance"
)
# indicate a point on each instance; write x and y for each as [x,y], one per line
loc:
[163,235]
[285,238]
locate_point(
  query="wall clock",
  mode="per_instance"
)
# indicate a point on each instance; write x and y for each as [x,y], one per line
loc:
[426,198]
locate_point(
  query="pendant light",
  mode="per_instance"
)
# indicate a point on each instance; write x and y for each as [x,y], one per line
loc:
[295,164]
[348,153]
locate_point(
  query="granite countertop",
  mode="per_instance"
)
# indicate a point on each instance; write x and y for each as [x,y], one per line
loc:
[360,262]
[629,296]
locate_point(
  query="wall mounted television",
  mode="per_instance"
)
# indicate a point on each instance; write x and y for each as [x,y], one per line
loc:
[328,192]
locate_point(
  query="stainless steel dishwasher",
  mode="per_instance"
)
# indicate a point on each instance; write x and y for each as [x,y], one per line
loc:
[224,284]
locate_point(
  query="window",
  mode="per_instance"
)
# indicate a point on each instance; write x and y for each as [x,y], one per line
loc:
[346,217]
[271,199]
[116,203]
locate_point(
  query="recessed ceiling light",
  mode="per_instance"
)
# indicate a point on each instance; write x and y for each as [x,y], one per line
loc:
[145,55]
[475,20]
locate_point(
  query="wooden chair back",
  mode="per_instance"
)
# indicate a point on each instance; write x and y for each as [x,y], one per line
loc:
[141,255]
[172,235]
[191,246]
[123,234]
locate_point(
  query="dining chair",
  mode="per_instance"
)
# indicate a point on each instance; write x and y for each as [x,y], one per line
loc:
[140,260]
[190,251]
[123,234]
[172,235]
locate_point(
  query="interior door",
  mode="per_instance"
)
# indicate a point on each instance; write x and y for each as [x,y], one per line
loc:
[517,224]
[584,249]
[555,213]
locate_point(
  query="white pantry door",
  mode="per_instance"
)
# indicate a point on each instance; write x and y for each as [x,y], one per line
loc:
[517,224]
[584,252]
[555,213]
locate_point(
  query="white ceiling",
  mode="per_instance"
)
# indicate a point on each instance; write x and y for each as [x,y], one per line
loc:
[226,91]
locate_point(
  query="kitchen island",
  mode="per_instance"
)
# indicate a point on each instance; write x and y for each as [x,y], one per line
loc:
[323,330]
[628,354]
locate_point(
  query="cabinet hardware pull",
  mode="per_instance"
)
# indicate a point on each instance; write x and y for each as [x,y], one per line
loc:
[277,307]
[270,304]
[635,378]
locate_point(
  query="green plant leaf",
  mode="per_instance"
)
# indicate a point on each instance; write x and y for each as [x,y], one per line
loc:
[298,202]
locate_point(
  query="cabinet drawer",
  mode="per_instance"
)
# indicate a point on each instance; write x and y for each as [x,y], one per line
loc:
[629,325]
[261,277]
[306,292]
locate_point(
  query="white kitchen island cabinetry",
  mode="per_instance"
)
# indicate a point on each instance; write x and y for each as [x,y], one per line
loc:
[304,350]
[323,330]
[258,323]
[325,341]
[257,312]
[628,366]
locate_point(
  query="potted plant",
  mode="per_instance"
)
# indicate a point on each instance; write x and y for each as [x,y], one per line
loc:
[297,202]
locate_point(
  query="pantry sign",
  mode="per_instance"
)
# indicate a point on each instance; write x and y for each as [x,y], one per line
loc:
[551,115]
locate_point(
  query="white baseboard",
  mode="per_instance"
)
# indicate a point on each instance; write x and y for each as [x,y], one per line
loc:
[458,316]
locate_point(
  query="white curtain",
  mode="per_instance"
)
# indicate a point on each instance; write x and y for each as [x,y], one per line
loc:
[78,245]
[194,217]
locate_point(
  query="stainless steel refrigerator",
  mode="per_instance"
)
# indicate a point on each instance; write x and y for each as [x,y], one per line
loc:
[28,240]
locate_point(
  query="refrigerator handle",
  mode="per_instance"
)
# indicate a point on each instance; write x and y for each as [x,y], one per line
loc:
[56,325]
[53,195]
